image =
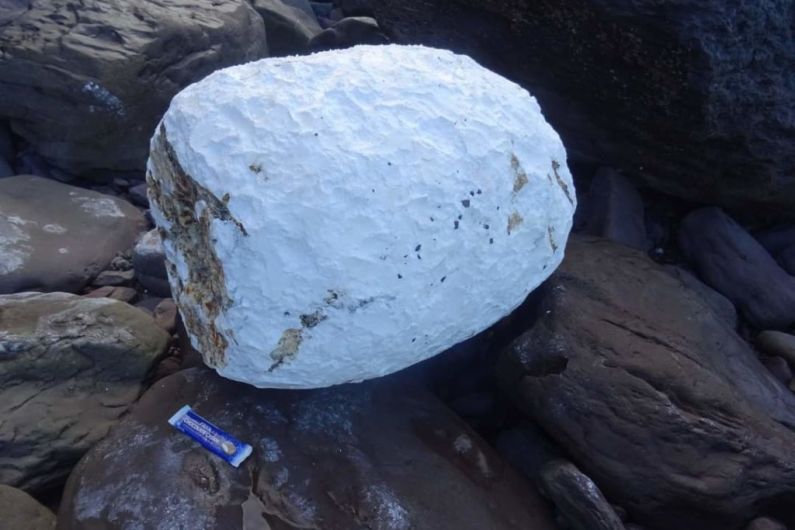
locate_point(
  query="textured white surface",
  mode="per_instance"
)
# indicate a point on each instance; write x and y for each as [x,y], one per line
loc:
[400,199]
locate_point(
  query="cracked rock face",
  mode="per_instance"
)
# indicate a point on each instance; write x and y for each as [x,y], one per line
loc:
[403,202]
[69,368]
[353,457]
[86,81]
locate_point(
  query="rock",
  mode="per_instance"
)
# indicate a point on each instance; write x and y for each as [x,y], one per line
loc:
[20,511]
[654,396]
[123,294]
[114,277]
[764,523]
[577,499]
[528,449]
[349,32]
[728,259]
[138,195]
[71,366]
[778,344]
[28,162]
[86,88]
[382,207]
[722,306]
[165,314]
[289,25]
[615,210]
[149,304]
[5,169]
[149,262]
[351,457]
[778,367]
[651,87]
[787,259]
[7,151]
[57,237]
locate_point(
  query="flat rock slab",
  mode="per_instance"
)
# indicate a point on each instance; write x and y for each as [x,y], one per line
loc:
[86,84]
[373,456]
[56,237]
[654,395]
[69,367]
[20,511]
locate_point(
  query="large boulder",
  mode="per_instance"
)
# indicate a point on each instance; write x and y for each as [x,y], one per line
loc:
[301,208]
[86,84]
[654,395]
[56,237]
[290,25]
[377,456]
[729,259]
[70,368]
[20,511]
[693,97]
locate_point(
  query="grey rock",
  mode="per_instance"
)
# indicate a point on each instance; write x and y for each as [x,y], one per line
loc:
[721,305]
[114,277]
[86,86]
[778,344]
[5,169]
[149,262]
[71,367]
[786,259]
[765,523]
[349,32]
[779,367]
[123,294]
[29,162]
[20,511]
[731,261]
[373,455]
[138,195]
[652,395]
[165,314]
[615,210]
[527,449]
[289,25]
[7,151]
[577,499]
[776,239]
[653,87]
[56,237]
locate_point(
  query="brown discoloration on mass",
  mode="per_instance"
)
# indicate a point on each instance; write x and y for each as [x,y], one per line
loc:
[561,182]
[287,347]
[176,195]
[514,220]
[520,177]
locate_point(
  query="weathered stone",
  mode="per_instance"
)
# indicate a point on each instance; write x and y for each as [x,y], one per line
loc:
[650,87]
[777,343]
[765,523]
[375,456]
[653,396]
[382,207]
[289,25]
[114,277]
[71,366]
[86,84]
[165,314]
[721,305]
[615,210]
[349,32]
[149,262]
[20,511]
[577,499]
[730,260]
[56,237]
[123,294]
[779,367]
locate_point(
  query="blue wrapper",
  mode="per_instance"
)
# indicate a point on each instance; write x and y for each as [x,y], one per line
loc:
[211,437]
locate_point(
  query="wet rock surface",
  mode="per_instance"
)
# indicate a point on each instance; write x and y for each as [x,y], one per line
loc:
[86,83]
[350,457]
[685,427]
[56,237]
[70,368]
[20,511]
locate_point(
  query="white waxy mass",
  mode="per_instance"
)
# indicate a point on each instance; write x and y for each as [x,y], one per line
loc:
[343,215]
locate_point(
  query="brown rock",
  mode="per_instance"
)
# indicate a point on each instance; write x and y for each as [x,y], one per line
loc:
[165,314]
[654,396]
[354,457]
[122,294]
[20,511]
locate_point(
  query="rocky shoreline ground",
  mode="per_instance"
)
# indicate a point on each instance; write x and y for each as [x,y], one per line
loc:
[647,384]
